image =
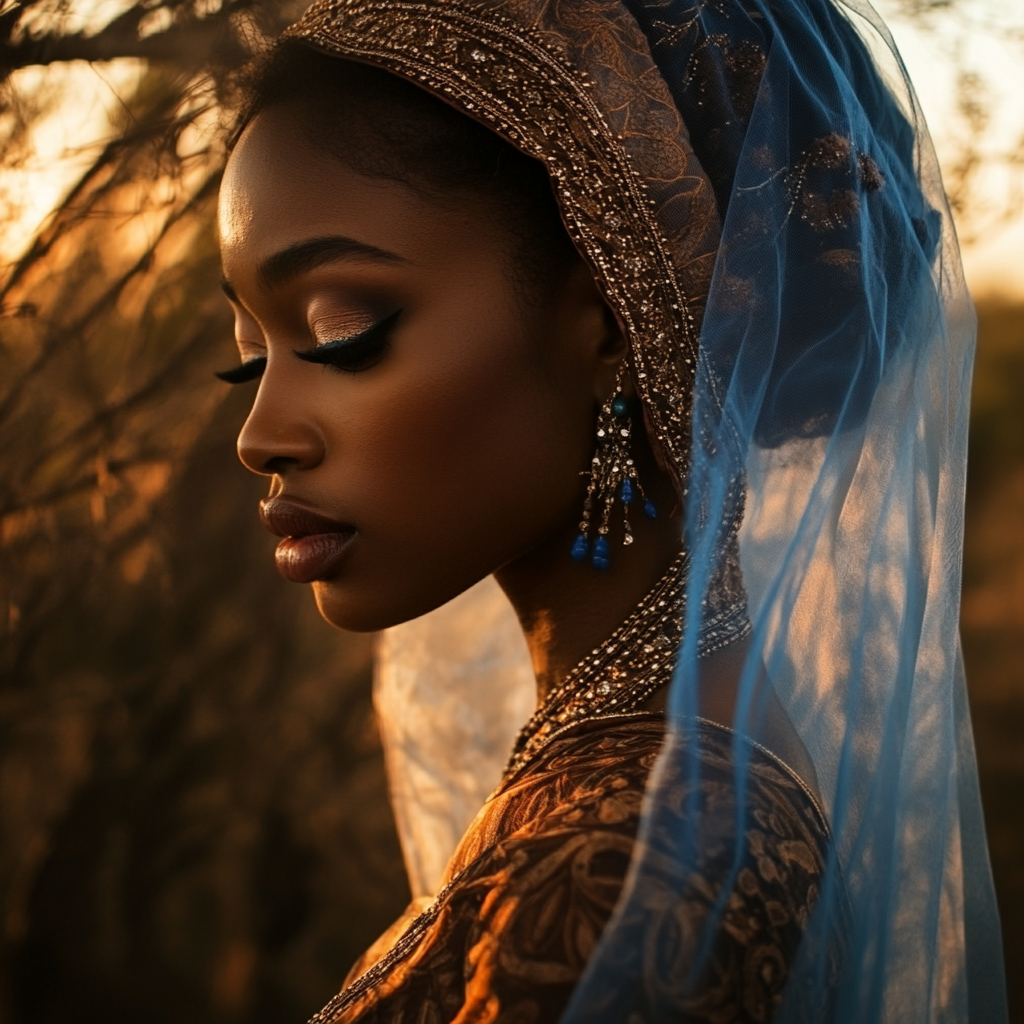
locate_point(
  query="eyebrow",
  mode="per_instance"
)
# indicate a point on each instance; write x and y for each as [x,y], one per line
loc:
[305,256]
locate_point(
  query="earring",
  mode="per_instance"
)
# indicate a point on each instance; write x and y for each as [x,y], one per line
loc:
[612,474]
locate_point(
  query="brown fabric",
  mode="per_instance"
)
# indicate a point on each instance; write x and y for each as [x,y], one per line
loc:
[536,878]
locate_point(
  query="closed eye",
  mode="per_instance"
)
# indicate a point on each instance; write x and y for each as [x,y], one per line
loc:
[249,370]
[356,353]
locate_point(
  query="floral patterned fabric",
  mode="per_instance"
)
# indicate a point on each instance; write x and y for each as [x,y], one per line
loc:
[538,874]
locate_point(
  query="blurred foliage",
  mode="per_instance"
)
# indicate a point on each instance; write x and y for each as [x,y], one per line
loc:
[193,813]
[996,397]
[992,618]
[982,161]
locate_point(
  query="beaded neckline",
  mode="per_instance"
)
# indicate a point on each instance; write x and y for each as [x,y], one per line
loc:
[636,661]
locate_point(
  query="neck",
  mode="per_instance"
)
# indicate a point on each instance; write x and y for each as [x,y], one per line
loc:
[566,609]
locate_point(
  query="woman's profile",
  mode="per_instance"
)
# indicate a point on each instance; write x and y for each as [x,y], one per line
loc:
[652,311]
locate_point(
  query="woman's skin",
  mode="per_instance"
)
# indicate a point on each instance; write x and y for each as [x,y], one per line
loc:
[460,452]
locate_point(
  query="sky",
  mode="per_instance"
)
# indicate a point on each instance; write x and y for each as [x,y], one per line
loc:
[84,97]
[994,45]
[87,95]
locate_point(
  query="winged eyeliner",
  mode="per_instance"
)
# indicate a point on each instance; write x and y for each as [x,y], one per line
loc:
[344,353]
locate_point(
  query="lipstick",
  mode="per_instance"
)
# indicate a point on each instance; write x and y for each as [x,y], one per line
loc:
[313,546]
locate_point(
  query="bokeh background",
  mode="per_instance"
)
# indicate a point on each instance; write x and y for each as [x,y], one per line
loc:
[193,812]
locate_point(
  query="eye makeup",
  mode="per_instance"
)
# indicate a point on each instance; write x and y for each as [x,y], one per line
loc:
[355,353]
[249,370]
[349,355]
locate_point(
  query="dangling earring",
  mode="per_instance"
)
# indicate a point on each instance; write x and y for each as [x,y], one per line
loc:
[612,474]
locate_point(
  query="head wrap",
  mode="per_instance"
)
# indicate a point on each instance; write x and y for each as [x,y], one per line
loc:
[752,183]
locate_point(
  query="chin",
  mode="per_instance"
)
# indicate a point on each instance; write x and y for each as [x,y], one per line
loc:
[369,609]
[343,606]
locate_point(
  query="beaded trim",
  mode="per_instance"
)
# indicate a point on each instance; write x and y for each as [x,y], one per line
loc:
[637,660]
[518,82]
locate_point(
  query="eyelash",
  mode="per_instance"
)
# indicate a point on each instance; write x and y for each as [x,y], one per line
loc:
[249,370]
[349,355]
[360,352]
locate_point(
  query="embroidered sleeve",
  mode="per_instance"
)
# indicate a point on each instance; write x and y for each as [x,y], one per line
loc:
[508,940]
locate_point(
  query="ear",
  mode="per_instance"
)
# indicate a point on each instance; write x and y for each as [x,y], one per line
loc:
[613,351]
[617,351]
[615,347]
[597,329]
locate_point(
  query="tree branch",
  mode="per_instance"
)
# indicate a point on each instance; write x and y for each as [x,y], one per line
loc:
[189,42]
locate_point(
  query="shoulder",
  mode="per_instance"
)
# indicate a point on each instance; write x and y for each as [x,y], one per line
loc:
[532,885]
[750,886]
[606,759]
[540,872]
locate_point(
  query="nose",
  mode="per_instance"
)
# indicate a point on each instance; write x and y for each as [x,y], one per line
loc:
[278,437]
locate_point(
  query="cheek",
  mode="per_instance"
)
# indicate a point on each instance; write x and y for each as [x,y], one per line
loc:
[463,460]
[485,442]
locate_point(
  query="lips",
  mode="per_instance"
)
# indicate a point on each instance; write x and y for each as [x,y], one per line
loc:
[313,546]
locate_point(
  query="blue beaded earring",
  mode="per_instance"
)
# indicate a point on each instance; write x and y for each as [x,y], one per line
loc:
[612,475]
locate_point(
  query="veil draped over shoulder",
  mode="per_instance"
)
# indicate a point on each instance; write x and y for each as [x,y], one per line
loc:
[753,184]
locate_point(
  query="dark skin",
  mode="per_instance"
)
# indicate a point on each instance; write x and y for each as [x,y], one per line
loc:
[459,452]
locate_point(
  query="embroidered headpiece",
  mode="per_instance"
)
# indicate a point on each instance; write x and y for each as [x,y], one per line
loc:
[575,87]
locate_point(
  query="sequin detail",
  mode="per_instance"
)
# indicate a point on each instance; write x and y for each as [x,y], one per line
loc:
[637,660]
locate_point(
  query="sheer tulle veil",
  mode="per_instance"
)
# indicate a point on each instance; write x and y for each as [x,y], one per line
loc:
[816,314]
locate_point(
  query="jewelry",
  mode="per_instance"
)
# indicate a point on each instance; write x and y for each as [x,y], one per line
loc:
[617,677]
[612,475]
[527,81]
[639,658]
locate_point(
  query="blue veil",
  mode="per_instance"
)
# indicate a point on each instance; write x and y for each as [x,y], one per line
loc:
[833,382]
[753,185]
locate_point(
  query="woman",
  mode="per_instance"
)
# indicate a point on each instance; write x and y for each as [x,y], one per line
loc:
[650,308]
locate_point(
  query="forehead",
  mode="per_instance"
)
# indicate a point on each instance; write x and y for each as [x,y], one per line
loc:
[279,189]
[278,184]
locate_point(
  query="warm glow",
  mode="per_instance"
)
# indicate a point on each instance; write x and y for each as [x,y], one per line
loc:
[85,98]
[993,47]
[82,100]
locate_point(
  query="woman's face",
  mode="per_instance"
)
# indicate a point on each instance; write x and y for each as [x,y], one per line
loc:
[445,443]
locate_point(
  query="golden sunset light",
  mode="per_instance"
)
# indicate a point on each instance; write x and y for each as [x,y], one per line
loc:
[510,511]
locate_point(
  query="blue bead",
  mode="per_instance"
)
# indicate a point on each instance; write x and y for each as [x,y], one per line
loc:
[649,510]
[620,406]
[626,492]
[580,548]
[600,558]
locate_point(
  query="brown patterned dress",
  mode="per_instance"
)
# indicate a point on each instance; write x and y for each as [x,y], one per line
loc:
[537,875]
